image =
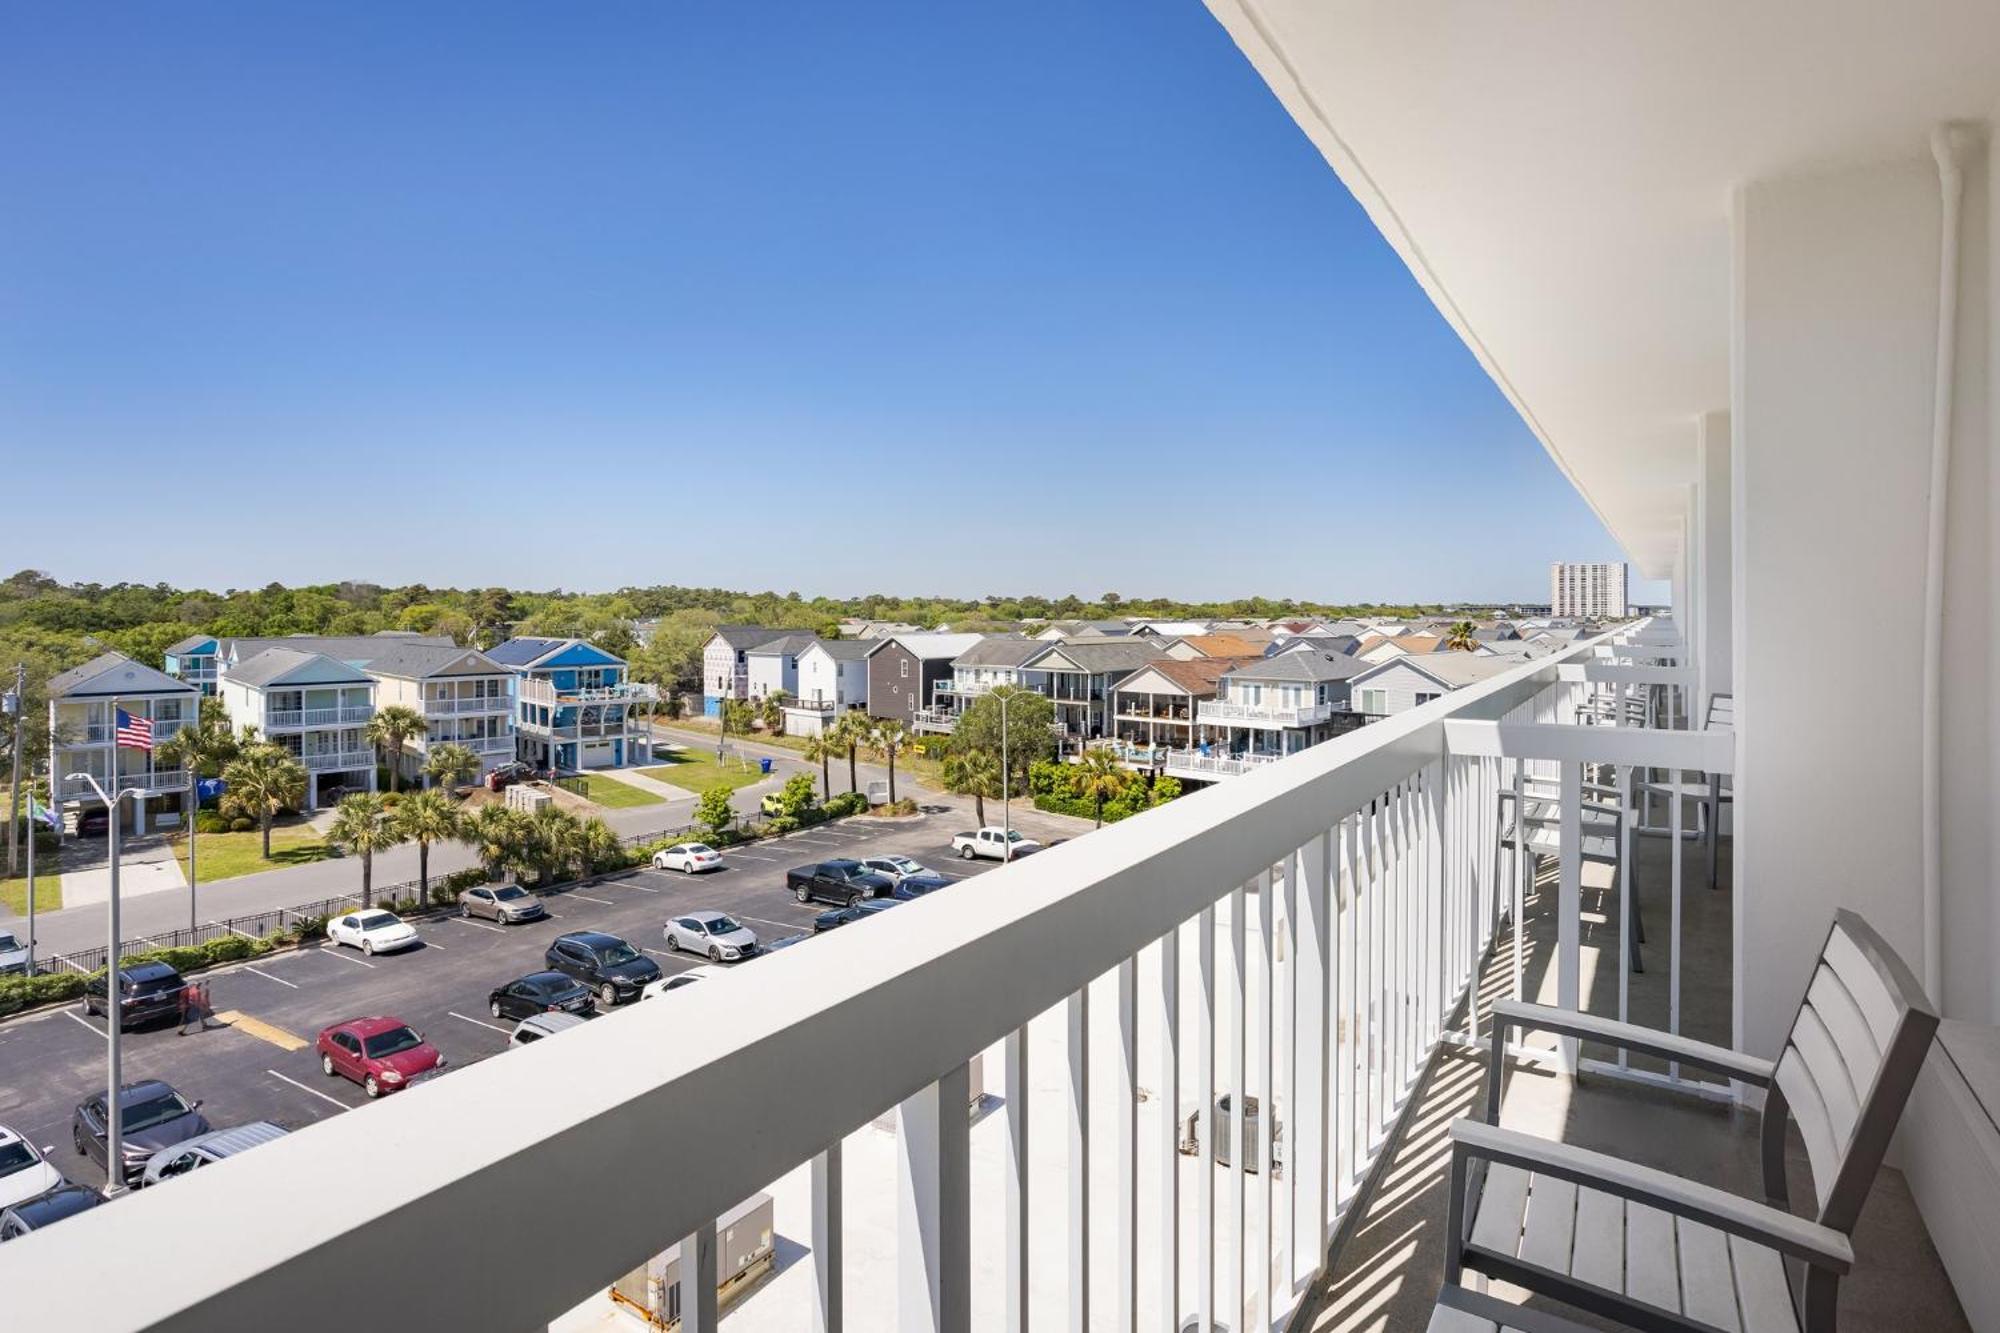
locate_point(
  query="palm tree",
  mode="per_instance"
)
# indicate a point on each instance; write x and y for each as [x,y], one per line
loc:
[388,729]
[850,733]
[1461,637]
[552,842]
[263,780]
[975,773]
[427,817]
[206,743]
[820,749]
[493,832]
[450,764]
[772,712]
[886,739]
[600,845]
[364,825]
[1099,778]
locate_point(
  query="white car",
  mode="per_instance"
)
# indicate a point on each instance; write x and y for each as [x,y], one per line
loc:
[688,857]
[897,868]
[679,979]
[13,954]
[372,931]
[536,1026]
[24,1173]
[717,936]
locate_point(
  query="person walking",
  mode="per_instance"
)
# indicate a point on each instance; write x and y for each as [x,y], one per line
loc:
[190,1005]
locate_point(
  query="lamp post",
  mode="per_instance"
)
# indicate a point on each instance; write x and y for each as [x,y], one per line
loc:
[114,1164]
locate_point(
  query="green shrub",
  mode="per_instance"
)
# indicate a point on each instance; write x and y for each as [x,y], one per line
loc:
[18,993]
[309,928]
[847,803]
[458,881]
[208,821]
[242,824]
[906,806]
[391,799]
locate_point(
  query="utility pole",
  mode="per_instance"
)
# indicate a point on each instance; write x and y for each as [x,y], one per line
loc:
[17,708]
[193,805]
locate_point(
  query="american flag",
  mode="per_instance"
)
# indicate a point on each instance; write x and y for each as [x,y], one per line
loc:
[135,733]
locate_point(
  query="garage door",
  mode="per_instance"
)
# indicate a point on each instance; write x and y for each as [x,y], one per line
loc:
[600,754]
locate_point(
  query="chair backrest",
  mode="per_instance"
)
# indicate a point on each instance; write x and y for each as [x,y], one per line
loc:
[1855,1049]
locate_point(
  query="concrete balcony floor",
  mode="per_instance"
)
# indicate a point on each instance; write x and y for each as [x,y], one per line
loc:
[1388,1270]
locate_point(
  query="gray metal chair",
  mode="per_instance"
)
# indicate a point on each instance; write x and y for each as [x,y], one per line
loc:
[1653,1251]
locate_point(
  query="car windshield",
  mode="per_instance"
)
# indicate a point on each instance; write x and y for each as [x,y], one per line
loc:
[620,952]
[1013,835]
[697,848]
[510,893]
[14,1157]
[154,1111]
[722,925]
[379,920]
[8,942]
[392,1042]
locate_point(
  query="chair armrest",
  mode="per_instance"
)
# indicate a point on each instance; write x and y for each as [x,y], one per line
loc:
[1631,1037]
[1819,1246]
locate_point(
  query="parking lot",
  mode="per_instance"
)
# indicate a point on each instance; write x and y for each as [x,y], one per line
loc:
[261,1064]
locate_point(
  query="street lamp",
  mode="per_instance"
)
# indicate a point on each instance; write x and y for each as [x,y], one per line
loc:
[114,1163]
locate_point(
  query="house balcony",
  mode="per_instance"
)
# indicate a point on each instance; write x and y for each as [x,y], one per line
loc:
[1307,940]
[935,719]
[1192,763]
[285,719]
[336,761]
[1158,713]
[492,703]
[537,690]
[821,707]
[1269,716]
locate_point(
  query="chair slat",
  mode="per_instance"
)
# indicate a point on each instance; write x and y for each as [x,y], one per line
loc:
[1829,1074]
[1501,1203]
[1810,1114]
[1761,1290]
[1445,1319]
[1851,1033]
[1707,1294]
[1652,1273]
[1878,1004]
[1598,1251]
[1546,1236]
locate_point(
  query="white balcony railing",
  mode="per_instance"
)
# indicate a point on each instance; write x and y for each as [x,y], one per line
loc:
[336,761]
[537,690]
[1195,764]
[1352,889]
[936,719]
[814,705]
[283,719]
[1265,715]
[491,703]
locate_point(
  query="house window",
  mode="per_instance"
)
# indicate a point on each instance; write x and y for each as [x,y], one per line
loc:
[1372,702]
[905,664]
[1424,698]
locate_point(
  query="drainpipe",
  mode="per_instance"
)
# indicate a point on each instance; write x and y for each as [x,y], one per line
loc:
[1948,143]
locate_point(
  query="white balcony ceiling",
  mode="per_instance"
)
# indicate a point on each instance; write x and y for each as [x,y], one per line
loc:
[1558,177]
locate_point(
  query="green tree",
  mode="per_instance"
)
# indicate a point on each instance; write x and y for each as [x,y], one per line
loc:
[887,740]
[973,773]
[795,798]
[771,712]
[493,832]
[450,764]
[1029,716]
[261,781]
[206,744]
[737,715]
[1462,637]
[1099,778]
[363,824]
[849,732]
[820,749]
[427,817]
[714,813]
[388,729]
[672,702]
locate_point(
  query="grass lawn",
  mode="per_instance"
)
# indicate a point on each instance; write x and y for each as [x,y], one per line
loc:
[227,855]
[48,892]
[617,795]
[697,770]
[929,772]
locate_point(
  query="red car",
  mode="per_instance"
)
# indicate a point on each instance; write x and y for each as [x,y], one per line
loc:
[381,1054]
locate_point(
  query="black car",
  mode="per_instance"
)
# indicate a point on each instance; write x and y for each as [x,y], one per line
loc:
[93,823]
[47,1209]
[840,916]
[916,886]
[843,883]
[507,774]
[145,991]
[151,1116]
[607,964]
[788,941]
[540,993]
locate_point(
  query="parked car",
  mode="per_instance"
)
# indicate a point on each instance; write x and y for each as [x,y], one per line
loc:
[772,946]
[540,993]
[772,805]
[47,1209]
[213,1147]
[372,932]
[717,936]
[93,823]
[13,954]
[382,1054]
[506,775]
[688,857]
[24,1172]
[842,882]
[607,964]
[680,979]
[145,991]
[861,911]
[916,886]
[895,868]
[509,904]
[536,1026]
[994,843]
[152,1116]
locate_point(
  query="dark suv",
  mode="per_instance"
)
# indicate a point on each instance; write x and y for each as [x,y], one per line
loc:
[842,883]
[505,775]
[151,1116]
[145,991]
[607,964]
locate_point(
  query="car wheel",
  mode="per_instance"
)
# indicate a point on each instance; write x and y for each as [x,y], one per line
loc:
[687,867]
[89,1007]
[802,894]
[368,948]
[326,1065]
[853,898]
[673,944]
[607,995]
[965,853]
[76,1138]
[714,954]
[495,1007]
[371,1087]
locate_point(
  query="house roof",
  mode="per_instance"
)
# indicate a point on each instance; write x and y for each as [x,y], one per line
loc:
[1095,655]
[1324,643]
[931,647]
[353,649]
[1170,629]
[114,674]
[1304,665]
[1001,650]
[784,643]
[274,664]
[1234,643]
[523,651]
[421,661]
[845,650]
[189,644]
[1451,670]
[1195,676]
[743,637]
[1070,629]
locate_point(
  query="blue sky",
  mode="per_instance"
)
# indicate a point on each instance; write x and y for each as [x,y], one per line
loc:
[966,299]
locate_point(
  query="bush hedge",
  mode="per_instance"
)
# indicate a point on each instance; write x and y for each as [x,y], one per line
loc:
[242,824]
[1054,788]
[209,821]
[18,993]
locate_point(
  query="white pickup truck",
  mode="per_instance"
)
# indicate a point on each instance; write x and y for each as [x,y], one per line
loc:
[994,843]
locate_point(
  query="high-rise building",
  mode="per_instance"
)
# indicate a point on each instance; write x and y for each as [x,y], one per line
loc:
[1588,591]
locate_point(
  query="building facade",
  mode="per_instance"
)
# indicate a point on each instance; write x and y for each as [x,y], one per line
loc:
[576,706]
[84,703]
[832,678]
[313,706]
[1593,591]
[464,697]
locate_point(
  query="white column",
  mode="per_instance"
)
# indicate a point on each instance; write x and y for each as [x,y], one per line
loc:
[933,1218]
[1712,510]
[828,1260]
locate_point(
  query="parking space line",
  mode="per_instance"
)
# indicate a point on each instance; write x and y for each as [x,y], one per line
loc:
[766,921]
[268,977]
[746,856]
[587,898]
[312,1091]
[480,1022]
[429,944]
[642,888]
[333,951]
[71,1013]
[659,953]
[258,1028]
[477,925]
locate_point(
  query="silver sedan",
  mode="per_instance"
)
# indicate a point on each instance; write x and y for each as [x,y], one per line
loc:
[505,903]
[716,936]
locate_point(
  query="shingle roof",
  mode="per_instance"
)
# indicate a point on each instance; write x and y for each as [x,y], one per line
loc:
[741,637]
[1098,655]
[785,643]
[1324,643]
[110,674]
[847,650]
[275,663]
[522,651]
[1232,644]
[1196,675]
[1001,650]
[415,663]
[930,647]
[349,648]
[1306,665]
[189,644]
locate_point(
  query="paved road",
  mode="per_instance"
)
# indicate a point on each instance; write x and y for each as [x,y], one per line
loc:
[263,1067]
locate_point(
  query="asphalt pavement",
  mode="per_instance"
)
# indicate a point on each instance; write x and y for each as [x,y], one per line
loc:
[261,1063]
